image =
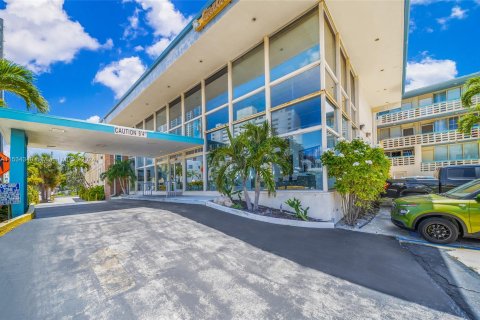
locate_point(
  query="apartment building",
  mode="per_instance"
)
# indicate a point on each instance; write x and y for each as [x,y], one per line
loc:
[420,134]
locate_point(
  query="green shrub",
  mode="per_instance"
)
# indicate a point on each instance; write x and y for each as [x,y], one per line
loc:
[360,172]
[95,193]
[32,194]
[296,205]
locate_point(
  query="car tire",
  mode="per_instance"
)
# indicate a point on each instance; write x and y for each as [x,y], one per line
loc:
[438,230]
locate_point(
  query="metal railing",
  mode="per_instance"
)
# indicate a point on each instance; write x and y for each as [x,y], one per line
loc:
[429,138]
[402,161]
[423,112]
[432,166]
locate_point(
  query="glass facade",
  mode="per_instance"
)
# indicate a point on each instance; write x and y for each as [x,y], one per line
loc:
[294,108]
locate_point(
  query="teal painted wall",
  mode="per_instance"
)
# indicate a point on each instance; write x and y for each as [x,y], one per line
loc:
[18,168]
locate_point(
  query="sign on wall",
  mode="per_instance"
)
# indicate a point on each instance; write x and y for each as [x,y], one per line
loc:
[4,164]
[131,132]
[209,13]
[9,193]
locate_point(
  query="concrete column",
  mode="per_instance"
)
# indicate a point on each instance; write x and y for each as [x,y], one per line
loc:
[18,169]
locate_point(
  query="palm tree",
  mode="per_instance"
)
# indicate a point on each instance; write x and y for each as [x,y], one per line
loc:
[49,173]
[122,171]
[74,167]
[19,80]
[265,150]
[466,123]
[256,150]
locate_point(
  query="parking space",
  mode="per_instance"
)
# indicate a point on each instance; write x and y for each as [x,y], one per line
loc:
[134,259]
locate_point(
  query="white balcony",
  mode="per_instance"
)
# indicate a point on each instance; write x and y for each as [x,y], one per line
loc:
[429,138]
[402,161]
[432,166]
[416,114]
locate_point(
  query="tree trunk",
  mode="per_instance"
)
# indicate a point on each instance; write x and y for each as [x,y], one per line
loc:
[122,185]
[257,192]
[247,197]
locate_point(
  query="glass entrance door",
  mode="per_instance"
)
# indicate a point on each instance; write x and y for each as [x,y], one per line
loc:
[176,175]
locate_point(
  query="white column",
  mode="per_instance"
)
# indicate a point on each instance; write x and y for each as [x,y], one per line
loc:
[182,106]
[268,100]
[204,125]
[230,95]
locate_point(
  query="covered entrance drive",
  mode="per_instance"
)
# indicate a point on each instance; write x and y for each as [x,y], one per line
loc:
[22,129]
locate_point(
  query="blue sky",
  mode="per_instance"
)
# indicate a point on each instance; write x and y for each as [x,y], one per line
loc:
[87,53]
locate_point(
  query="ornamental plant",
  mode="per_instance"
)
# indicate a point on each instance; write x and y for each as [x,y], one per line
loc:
[360,172]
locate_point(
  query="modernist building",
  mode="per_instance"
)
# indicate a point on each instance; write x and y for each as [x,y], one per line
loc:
[420,134]
[313,69]
[97,167]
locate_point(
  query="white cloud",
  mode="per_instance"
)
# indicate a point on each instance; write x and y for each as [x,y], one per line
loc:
[120,75]
[457,13]
[156,49]
[62,100]
[93,119]
[133,29]
[429,71]
[166,21]
[108,44]
[138,48]
[39,33]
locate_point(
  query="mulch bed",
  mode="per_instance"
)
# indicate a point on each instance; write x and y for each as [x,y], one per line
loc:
[274,213]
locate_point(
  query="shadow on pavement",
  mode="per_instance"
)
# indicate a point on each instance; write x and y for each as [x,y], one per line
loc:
[373,261]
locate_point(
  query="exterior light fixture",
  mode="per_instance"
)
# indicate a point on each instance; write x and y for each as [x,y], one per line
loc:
[377,39]
[56,130]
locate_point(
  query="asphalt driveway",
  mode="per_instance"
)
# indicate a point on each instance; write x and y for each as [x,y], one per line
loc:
[148,260]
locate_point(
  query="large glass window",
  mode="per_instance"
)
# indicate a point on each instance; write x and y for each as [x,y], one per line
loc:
[440,97]
[441,153]
[441,125]
[216,139]
[139,125]
[162,120]
[425,102]
[301,115]
[248,72]
[296,87]
[295,46]
[249,106]
[216,90]
[195,174]
[352,89]
[149,125]
[217,118]
[470,150]
[455,152]
[150,177]
[345,128]
[453,94]
[175,112]
[331,111]
[193,103]
[330,48]
[453,123]
[177,131]
[162,176]
[305,153]
[330,86]
[194,128]
[238,127]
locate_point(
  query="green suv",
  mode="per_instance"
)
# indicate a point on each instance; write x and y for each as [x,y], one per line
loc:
[441,218]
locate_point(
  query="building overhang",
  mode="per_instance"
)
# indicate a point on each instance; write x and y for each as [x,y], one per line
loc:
[55,133]
[242,24]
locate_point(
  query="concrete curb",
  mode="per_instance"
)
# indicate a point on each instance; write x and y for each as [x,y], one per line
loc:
[8,226]
[285,222]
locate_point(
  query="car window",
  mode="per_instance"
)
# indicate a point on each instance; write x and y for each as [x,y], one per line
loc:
[464,190]
[461,173]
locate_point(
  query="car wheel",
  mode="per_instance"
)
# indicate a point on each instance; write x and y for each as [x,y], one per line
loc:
[438,230]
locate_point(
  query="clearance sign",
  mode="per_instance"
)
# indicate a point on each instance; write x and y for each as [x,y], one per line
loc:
[4,164]
[132,132]
[210,13]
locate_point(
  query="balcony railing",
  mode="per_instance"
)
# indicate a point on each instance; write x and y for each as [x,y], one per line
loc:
[402,161]
[429,138]
[423,112]
[432,166]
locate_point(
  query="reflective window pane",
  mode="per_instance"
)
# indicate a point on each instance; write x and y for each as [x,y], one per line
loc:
[249,106]
[162,176]
[330,48]
[343,69]
[453,94]
[470,150]
[305,153]
[441,153]
[425,102]
[330,86]
[301,115]
[216,139]
[162,120]
[296,87]
[345,128]
[175,113]
[195,174]
[217,118]
[193,103]
[352,89]
[194,128]
[440,97]
[216,90]
[455,152]
[295,46]
[238,127]
[149,125]
[248,72]
[331,111]
[177,131]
